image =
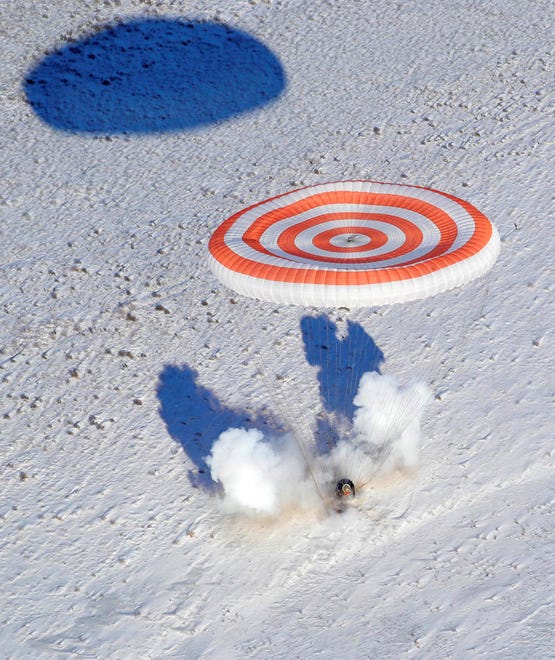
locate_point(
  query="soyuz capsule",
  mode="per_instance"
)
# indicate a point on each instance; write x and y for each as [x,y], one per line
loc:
[345,489]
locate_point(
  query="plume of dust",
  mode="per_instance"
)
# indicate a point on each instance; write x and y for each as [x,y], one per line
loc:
[264,477]
[386,432]
[260,477]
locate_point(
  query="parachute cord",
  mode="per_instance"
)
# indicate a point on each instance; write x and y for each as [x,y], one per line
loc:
[334,370]
[357,357]
[284,407]
[327,378]
[342,377]
[352,354]
[324,338]
[345,375]
[322,348]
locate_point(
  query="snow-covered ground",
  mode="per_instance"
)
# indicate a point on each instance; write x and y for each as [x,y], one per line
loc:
[122,359]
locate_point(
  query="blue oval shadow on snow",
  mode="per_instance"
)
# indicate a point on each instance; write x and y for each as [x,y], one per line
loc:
[152,76]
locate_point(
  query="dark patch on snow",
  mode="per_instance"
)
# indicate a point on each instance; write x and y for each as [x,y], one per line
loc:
[153,75]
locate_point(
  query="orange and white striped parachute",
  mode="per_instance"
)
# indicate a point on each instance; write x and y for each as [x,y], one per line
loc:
[353,244]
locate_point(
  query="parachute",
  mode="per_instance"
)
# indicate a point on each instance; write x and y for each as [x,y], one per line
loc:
[353,244]
[342,246]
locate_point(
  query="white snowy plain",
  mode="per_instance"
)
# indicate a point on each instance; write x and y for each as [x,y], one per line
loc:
[110,546]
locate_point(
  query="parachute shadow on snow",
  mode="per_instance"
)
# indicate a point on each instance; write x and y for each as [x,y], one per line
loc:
[151,76]
[194,418]
[341,362]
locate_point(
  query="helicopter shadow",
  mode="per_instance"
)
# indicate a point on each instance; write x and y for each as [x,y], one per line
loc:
[153,75]
[341,357]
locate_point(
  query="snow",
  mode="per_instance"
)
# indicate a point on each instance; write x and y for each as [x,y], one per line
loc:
[123,359]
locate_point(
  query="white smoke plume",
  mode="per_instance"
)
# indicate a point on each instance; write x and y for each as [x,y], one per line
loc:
[386,432]
[258,477]
[262,477]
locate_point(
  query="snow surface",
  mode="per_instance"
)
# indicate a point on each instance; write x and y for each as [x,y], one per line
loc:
[122,359]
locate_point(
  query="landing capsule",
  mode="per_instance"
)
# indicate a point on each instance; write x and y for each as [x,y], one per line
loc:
[345,489]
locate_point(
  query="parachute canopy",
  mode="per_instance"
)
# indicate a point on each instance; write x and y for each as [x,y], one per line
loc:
[353,244]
